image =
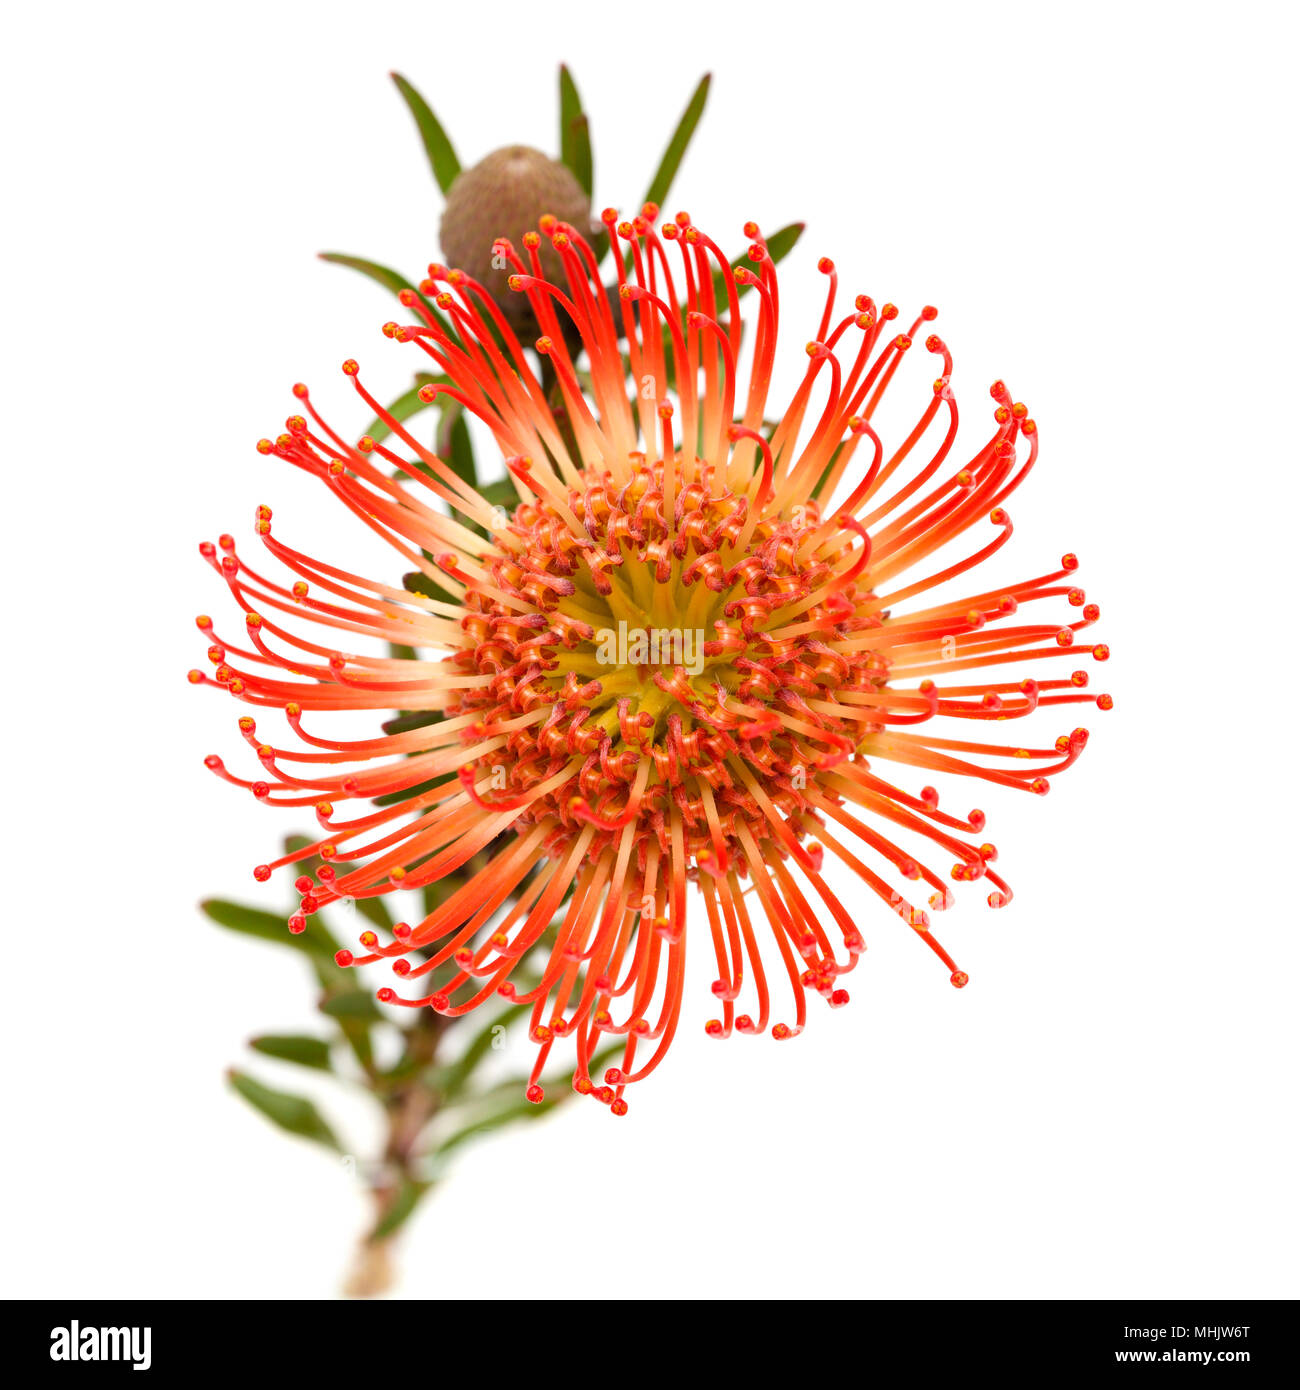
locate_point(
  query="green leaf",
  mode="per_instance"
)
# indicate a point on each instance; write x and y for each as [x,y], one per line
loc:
[352,1003]
[417,582]
[450,1080]
[408,1198]
[779,245]
[406,793]
[267,926]
[332,978]
[381,274]
[454,446]
[459,452]
[303,1051]
[416,719]
[575,132]
[375,911]
[391,280]
[406,405]
[442,158]
[672,159]
[500,493]
[295,1114]
[558,1090]
[516,1110]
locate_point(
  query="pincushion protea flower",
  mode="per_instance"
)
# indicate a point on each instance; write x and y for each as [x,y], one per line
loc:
[606,777]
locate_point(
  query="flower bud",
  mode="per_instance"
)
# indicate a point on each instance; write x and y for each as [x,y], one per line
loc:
[504,195]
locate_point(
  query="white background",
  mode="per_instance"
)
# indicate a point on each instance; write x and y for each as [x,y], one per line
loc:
[1096,197]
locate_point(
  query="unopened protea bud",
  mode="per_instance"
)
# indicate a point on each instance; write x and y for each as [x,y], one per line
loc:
[504,196]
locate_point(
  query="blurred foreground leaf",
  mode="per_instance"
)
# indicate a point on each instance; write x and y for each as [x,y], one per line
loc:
[300,1049]
[295,1114]
[353,1003]
[267,926]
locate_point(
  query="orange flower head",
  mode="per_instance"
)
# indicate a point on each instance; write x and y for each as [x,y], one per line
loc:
[675,662]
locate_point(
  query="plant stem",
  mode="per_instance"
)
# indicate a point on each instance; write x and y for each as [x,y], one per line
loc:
[409,1106]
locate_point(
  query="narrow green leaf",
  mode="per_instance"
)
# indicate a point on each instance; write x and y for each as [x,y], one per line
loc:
[781,243]
[417,582]
[381,274]
[295,1114]
[391,280]
[779,246]
[558,1089]
[303,1051]
[575,132]
[454,445]
[405,406]
[406,793]
[516,1110]
[671,162]
[332,978]
[442,158]
[352,1003]
[375,911]
[451,1079]
[416,719]
[500,493]
[267,926]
